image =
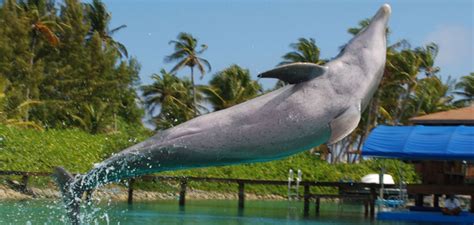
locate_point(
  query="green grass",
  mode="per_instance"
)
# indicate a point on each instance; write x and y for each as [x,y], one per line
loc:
[36,151]
[77,151]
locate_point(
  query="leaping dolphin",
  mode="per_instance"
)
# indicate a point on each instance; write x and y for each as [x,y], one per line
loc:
[322,104]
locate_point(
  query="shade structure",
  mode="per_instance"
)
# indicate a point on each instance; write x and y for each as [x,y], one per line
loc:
[421,142]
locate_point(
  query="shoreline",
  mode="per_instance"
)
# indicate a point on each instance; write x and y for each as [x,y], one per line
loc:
[120,193]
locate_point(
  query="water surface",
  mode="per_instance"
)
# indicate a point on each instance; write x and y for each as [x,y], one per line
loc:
[196,212]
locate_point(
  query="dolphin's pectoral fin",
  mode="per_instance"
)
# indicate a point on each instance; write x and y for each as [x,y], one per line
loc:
[295,72]
[344,124]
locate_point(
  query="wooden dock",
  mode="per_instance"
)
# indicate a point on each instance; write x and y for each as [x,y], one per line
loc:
[368,198]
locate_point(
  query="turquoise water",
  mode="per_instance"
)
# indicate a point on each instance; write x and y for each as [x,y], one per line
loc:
[208,212]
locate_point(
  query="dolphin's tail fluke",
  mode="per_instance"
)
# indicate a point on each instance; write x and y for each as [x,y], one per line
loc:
[71,196]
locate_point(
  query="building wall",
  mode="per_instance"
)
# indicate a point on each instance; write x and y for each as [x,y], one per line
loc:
[444,172]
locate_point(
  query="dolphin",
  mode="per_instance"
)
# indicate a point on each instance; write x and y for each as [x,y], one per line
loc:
[321,104]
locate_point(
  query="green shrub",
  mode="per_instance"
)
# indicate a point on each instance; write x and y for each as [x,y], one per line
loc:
[37,151]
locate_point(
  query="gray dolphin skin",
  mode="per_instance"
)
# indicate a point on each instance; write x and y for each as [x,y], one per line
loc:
[321,104]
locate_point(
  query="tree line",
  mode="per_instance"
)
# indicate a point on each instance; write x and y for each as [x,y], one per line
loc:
[60,67]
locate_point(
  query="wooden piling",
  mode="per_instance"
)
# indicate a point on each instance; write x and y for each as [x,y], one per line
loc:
[130,191]
[419,200]
[24,182]
[436,200]
[366,208]
[182,192]
[317,205]
[373,197]
[241,195]
[306,200]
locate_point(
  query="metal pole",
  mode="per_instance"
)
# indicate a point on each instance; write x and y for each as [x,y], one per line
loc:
[298,180]
[290,179]
[382,172]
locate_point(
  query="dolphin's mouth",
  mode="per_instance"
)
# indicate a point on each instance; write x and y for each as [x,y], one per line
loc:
[382,16]
[386,9]
[383,13]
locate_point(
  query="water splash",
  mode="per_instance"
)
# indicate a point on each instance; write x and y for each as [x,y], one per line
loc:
[48,212]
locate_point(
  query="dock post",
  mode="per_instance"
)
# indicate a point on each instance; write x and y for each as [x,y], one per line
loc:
[373,197]
[182,192]
[306,200]
[419,199]
[472,203]
[436,200]
[241,195]
[130,191]
[317,205]
[366,208]
[24,181]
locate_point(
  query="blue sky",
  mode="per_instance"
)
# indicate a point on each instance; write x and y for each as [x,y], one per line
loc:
[255,34]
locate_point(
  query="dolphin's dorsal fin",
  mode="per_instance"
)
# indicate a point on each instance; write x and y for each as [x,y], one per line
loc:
[345,123]
[296,72]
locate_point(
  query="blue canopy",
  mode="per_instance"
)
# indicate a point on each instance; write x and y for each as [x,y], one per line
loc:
[421,142]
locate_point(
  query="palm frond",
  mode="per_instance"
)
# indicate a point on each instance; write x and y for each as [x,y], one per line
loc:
[111,32]
[180,65]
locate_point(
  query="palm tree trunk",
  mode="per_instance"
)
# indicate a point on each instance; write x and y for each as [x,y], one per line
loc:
[32,64]
[194,91]
[371,122]
[404,102]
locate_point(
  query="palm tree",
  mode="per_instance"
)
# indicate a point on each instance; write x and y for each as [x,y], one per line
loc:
[465,90]
[173,96]
[93,118]
[16,112]
[40,16]
[230,87]
[410,64]
[100,20]
[405,66]
[305,50]
[362,25]
[430,95]
[187,54]
[428,55]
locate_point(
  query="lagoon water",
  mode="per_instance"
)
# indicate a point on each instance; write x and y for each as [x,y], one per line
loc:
[196,212]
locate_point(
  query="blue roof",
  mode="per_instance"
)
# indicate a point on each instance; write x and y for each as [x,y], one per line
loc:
[421,142]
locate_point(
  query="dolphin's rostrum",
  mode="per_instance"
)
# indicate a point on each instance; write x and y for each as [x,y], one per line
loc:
[322,104]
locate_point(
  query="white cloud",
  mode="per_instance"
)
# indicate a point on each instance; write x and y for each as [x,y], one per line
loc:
[455,43]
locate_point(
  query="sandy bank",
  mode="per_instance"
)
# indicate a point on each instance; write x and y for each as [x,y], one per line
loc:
[120,193]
